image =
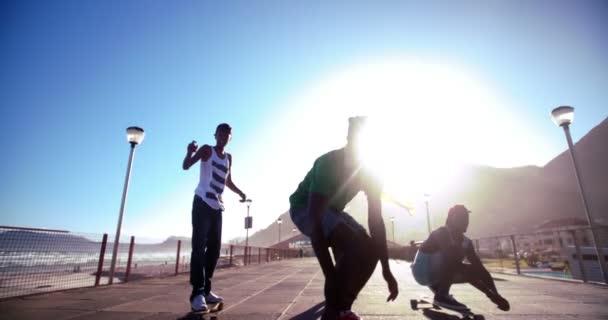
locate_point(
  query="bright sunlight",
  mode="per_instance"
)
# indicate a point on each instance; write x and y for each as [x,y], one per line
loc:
[426,120]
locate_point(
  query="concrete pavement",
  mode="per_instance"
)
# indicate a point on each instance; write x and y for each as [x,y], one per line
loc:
[292,289]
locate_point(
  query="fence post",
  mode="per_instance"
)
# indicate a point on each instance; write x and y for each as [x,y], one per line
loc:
[515,256]
[102,253]
[579,256]
[179,247]
[128,272]
[230,261]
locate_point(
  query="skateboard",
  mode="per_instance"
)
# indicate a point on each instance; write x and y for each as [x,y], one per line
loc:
[213,311]
[426,303]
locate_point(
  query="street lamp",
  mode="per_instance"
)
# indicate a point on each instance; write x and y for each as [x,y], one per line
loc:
[279,222]
[393,222]
[427,198]
[563,117]
[135,136]
[248,222]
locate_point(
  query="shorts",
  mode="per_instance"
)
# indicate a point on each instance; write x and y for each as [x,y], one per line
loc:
[329,221]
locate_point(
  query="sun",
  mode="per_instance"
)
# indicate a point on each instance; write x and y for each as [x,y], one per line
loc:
[426,119]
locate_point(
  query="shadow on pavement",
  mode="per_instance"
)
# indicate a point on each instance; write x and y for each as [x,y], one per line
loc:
[313,313]
[438,315]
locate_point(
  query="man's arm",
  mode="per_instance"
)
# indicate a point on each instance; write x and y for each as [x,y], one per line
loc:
[193,155]
[377,229]
[230,184]
[317,204]
[378,233]
[476,263]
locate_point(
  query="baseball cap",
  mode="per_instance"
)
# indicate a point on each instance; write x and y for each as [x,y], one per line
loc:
[458,209]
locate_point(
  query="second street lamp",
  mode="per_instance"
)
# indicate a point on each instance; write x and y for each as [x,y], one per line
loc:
[393,223]
[427,197]
[563,117]
[279,222]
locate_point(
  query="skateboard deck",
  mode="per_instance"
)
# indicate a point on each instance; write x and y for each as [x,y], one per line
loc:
[426,303]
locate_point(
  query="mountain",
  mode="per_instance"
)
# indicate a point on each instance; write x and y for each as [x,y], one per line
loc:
[29,241]
[503,201]
[270,235]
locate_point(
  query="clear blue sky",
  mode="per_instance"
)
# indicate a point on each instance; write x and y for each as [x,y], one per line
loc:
[75,74]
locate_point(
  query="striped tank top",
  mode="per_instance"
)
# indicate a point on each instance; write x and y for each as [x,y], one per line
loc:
[212,181]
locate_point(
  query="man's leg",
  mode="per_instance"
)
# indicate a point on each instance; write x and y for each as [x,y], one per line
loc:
[214,247]
[482,280]
[355,263]
[449,266]
[200,228]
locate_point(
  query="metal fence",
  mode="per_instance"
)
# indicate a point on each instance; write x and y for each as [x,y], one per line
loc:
[567,253]
[40,260]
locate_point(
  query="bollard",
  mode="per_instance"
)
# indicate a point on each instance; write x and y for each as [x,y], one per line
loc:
[515,254]
[179,247]
[230,259]
[129,259]
[259,255]
[102,253]
[579,256]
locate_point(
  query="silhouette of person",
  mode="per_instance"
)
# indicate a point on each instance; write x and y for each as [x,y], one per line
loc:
[207,210]
[439,263]
[317,210]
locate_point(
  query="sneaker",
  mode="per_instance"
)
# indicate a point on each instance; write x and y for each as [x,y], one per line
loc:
[198,303]
[449,302]
[213,298]
[348,315]
[500,302]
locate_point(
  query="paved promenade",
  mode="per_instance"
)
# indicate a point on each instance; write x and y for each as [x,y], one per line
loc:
[292,289]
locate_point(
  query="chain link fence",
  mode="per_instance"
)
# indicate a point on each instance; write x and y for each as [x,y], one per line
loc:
[40,260]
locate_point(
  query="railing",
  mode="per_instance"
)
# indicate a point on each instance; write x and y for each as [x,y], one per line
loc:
[557,253]
[41,260]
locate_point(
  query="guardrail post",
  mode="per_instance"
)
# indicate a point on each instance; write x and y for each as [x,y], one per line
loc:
[102,253]
[515,256]
[179,247]
[128,272]
[579,256]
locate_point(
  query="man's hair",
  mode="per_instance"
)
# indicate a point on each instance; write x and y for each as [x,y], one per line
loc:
[223,127]
[456,212]
[355,125]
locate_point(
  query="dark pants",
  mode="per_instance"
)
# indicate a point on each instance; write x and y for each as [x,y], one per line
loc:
[355,262]
[206,245]
[453,270]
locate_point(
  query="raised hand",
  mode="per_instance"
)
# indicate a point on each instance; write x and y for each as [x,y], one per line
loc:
[192,147]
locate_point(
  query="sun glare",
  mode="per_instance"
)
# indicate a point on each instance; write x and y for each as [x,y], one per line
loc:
[425,121]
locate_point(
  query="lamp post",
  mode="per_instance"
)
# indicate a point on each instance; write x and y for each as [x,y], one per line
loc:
[427,197]
[279,222]
[135,136]
[563,117]
[393,223]
[248,223]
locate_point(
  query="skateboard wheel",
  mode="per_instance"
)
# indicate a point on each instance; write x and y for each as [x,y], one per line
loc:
[414,304]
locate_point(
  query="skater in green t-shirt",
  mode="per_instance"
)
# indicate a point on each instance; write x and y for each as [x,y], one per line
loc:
[317,209]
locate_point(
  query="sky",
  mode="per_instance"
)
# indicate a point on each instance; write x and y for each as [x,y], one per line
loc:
[444,83]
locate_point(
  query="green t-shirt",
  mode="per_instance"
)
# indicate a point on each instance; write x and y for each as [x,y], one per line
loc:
[330,177]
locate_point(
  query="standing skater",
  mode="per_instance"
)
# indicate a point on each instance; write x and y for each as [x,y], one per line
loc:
[207,210]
